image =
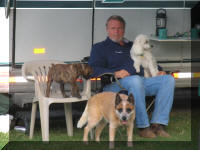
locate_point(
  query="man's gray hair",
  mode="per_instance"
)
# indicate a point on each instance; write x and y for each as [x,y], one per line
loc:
[116,17]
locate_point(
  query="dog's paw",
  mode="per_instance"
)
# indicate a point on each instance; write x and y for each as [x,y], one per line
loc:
[65,96]
[86,142]
[111,145]
[98,141]
[154,74]
[77,95]
[130,144]
[137,70]
[47,94]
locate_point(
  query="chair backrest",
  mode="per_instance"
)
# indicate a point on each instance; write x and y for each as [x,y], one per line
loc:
[29,66]
[39,71]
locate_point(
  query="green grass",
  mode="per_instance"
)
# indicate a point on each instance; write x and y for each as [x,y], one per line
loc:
[4,137]
[179,129]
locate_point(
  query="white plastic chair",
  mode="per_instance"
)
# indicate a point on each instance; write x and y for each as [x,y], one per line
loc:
[39,70]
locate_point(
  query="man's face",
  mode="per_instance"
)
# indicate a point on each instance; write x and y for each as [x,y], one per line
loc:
[115,30]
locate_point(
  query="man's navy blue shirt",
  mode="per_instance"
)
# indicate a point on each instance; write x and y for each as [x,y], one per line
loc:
[108,56]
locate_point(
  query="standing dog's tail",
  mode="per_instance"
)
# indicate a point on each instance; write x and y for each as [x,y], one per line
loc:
[84,118]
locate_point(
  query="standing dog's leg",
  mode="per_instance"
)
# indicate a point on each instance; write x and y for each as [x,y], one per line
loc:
[99,129]
[75,89]
[130,134]
[62,88]
[112,129]
[49,81]
[92,122]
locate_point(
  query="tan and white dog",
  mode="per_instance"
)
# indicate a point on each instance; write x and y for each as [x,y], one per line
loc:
[114,108]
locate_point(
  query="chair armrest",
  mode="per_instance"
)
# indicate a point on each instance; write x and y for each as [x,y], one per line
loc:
[106,78]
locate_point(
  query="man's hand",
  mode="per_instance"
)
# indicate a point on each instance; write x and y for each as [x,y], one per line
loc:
[161,73]
[121,73]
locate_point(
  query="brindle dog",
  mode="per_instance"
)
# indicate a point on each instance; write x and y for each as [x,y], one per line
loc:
[67,73]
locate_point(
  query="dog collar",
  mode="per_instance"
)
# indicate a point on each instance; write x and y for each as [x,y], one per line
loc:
[141,55]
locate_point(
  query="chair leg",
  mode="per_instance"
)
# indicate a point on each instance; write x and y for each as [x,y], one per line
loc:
[68,117]
[33,116]
[44,118]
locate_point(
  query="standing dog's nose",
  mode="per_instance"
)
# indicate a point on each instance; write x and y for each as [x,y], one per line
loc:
[124,118]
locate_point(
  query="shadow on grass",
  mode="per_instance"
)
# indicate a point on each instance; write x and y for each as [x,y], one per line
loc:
[98,146]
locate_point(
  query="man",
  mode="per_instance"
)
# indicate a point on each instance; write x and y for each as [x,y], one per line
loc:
[113,56]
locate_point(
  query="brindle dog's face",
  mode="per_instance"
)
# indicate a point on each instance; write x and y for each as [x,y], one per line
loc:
[86,70]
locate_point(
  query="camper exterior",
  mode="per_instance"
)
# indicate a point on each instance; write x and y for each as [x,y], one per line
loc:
[65,30]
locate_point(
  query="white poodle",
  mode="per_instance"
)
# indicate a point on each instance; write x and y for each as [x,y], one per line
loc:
[141,54]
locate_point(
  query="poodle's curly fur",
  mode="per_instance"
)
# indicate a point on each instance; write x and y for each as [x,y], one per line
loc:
[141,55]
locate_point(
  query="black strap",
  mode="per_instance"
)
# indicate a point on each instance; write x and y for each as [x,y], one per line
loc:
[109,78]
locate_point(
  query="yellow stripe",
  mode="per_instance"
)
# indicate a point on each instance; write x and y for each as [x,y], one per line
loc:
[39,50]
[196,75]
[175,75]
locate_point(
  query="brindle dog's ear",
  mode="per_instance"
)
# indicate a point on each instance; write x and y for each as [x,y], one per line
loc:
[117,99]
[131,99]
[52,65]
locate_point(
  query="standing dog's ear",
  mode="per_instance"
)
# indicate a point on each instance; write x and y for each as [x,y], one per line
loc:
[131,99]
[117,100]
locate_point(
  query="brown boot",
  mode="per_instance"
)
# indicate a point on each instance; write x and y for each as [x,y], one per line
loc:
[146,133]
[158,129]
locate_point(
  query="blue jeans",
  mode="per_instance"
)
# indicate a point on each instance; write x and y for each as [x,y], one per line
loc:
[162,87]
